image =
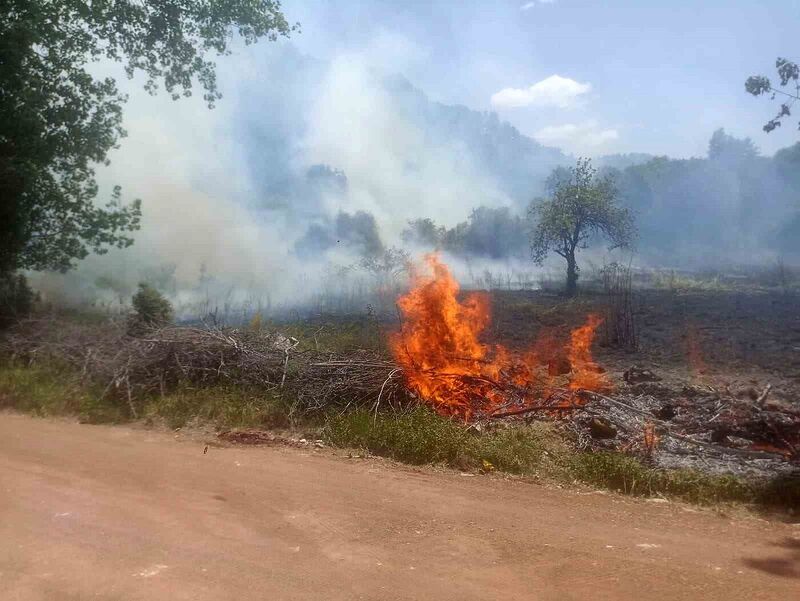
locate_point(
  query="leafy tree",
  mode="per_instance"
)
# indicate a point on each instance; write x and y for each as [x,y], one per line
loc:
[58,121]
[580,207]
[789,76]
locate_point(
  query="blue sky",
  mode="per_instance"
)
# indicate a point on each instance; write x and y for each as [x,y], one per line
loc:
[631,76]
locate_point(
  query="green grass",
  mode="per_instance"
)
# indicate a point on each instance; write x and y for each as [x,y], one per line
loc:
[420,436]
[47,391]
[223,406]
[417,436]
[627,475]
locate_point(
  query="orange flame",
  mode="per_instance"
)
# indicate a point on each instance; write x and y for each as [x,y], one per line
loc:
[587,374]
[445,363]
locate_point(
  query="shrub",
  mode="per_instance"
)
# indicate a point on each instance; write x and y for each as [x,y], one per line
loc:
[150,308]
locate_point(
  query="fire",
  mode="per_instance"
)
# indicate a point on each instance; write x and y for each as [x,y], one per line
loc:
[587,376]
[447,365]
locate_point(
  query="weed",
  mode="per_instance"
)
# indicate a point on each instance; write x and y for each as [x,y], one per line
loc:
[536,449]
[225,406]
[421,436]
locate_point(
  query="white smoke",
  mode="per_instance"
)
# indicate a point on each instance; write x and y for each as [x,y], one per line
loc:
[201,201]
[394,168]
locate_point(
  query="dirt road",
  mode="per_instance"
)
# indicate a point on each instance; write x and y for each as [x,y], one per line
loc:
[110,513]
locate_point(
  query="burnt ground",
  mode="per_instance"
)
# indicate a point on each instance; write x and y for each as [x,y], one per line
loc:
[738,341]
[721,374]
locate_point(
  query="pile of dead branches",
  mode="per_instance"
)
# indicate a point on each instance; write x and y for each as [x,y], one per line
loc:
[132,369]
[360,379]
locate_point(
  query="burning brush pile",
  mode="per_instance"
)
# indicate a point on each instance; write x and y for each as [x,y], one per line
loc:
[437,357]
[445,364]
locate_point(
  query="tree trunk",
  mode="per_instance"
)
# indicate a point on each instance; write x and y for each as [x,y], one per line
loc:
[572,277]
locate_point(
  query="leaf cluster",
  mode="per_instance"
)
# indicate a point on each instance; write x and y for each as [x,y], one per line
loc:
[789,75]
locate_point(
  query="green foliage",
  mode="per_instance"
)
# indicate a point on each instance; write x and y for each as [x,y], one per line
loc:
[16,297]
[534,450]
[789,76]
[150,308]
[420,436]
[580,206]
[706,211]
[57,121]
[725,148]
[387,265]
[424,232]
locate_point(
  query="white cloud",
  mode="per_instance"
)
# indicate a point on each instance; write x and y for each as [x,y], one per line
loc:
[530,5]
[585,137]
[557,91]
